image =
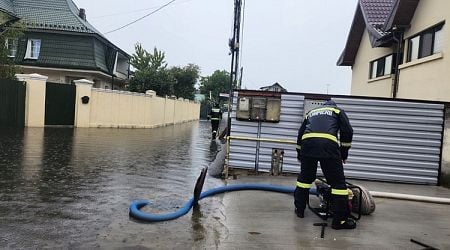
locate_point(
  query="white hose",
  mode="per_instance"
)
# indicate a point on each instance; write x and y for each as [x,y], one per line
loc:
[410,197]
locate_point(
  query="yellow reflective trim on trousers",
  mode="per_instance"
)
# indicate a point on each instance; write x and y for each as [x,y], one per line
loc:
[303,185]
[320,135]
[346,144]
[339,191]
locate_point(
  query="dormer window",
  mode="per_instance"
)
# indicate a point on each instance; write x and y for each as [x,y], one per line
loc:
[33,49]
[11,46]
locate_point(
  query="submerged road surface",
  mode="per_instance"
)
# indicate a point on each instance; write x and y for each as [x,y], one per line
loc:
[71,188]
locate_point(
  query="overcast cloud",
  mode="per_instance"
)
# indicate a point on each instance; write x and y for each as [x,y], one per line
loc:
[293,42]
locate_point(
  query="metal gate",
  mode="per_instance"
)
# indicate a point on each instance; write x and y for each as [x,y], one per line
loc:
[60,104]
[12,103]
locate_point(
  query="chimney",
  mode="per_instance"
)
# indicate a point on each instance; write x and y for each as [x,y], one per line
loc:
[82,14]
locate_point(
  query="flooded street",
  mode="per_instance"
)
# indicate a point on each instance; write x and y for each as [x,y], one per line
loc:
[71,188]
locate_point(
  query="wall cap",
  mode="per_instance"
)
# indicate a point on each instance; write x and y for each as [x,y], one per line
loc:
[34,76]
[83,82]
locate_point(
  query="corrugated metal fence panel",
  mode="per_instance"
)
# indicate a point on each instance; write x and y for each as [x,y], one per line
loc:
[242,153]
[394,140]
[290,120]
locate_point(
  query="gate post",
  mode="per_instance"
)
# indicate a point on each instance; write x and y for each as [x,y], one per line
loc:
[83,103]
[34,99]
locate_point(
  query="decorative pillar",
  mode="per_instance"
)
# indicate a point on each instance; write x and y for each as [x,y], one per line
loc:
[35,99]
[83,103]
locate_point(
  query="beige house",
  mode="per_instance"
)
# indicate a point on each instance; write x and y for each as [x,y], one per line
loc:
[397,48]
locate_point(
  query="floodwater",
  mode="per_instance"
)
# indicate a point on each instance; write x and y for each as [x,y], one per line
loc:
[71,188]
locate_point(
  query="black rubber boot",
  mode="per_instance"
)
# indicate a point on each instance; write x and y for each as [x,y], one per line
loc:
[301,196]
[344,224]
[300,213]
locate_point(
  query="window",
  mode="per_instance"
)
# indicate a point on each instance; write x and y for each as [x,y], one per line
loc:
[11,46]
[426,43]
[33,49]
[382,66]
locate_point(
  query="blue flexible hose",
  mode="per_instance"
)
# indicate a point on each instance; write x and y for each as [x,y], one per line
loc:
[136,213]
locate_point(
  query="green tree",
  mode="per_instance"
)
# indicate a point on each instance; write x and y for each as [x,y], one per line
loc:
[140,60]
[10,30]
[151,72]
[186,78]
[218,82]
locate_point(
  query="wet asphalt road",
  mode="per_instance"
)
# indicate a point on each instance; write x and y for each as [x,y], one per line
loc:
[71,188]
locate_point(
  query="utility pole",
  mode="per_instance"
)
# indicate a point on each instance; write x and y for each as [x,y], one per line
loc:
[234,44]
[234,51]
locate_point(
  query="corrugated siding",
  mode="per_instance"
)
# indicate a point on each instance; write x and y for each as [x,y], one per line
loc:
[291,117]
[242,153]
[393,140]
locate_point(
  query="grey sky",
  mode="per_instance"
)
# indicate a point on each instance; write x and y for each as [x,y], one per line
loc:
[293,42]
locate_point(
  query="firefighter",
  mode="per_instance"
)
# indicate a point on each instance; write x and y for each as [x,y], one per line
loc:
[216,116]
[317,142]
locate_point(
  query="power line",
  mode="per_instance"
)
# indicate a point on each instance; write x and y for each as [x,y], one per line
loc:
[132,11]
[137,20]
[122,13]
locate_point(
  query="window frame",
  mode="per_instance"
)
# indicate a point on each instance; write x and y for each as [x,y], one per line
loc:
[380,64]
[422,35]
[31,48]
[12,52]
[259,108]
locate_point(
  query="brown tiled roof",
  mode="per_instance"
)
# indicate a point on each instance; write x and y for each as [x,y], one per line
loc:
[377,11]
[377,17]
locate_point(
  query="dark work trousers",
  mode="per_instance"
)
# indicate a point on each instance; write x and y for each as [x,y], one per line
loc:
[334,174]
[215,125]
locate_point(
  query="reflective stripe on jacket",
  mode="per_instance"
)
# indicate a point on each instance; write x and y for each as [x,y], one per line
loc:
[318,134]
[215,114]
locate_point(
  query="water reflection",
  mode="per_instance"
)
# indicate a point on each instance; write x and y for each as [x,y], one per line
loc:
[65,187]
[57,176]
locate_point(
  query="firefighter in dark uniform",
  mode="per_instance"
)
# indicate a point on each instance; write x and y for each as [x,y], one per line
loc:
[317,142]
[216,116]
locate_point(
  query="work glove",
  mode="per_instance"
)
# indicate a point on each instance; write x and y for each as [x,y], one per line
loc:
[344,153]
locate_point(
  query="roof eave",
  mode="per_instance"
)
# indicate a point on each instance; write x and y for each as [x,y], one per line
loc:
[402,14]
[353,40]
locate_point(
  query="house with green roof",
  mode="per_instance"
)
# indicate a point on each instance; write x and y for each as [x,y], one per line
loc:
[60,43]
